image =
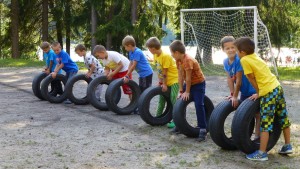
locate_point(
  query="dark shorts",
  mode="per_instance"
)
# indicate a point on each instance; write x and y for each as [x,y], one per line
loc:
[145,82]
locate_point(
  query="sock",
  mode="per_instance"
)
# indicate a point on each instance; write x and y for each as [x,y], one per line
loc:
[203,130]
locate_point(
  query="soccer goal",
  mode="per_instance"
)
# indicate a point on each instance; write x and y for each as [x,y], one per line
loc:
[202,30]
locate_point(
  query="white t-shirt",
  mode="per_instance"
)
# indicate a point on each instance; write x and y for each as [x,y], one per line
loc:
[90,59]
[113,59]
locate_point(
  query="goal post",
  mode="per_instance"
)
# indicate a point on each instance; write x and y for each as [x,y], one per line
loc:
[202,29]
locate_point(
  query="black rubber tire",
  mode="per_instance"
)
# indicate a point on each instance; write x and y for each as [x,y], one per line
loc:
[36,85]
[144,105]
[44,89]
[216,125]
[111,91]
[92,97]
[179,116]
[69,89]
[243,123]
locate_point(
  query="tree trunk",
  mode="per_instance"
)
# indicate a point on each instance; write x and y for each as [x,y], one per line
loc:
[134,7]
[94,27]
[15,29]
[68,26]
[108,36]
[1,32]
[45,21]
[57,17]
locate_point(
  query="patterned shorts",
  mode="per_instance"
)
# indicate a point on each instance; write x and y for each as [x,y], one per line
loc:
[271,105]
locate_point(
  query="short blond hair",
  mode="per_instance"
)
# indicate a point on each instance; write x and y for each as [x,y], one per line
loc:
[128,40]
[55,44]
[98,48]
[153,42]
[178,46]
[45,45]
[80,47]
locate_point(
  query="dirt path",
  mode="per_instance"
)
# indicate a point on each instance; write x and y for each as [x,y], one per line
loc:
[37,134]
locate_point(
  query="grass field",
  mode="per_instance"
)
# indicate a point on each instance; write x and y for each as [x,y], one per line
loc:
[285,73]
[28,63]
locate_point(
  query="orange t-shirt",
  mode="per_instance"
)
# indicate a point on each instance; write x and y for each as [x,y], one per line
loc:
[191,63]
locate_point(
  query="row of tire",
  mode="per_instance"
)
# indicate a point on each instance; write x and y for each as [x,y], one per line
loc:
[241,128]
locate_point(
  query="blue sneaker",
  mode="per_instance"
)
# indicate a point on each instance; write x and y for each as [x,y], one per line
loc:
[67,101]
[286,149]
[257,156]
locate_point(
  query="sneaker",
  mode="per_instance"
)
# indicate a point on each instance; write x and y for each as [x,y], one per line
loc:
[202,135]
[136,111]
[286,149]
[175,131]
[257,156]
[67,101]
[171,125]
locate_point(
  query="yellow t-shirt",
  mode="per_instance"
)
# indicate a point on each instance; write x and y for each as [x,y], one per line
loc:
[266,81]
[165,61]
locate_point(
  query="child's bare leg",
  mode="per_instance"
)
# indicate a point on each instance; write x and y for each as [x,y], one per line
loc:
[264,139]
[257,125]
[287,135]
[130,97]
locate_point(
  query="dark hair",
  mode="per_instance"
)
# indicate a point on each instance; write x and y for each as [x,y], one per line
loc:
[98,48]
[128,40]
[177,45]
[245,44]
[226,39]
[80,47]
[153,42]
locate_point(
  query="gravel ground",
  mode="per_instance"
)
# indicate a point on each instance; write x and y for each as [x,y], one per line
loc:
[37,134]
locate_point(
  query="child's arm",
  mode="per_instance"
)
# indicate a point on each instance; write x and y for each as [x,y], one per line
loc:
[253,82]
[131,67]
[180,81]
[164,79]
[48,68]
[113,73]
[91,70]
[230,84]
[106,71]
[57,68]
[238,83]
[188,81]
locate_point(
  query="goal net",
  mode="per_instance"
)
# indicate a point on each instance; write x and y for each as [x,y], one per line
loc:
[202,30]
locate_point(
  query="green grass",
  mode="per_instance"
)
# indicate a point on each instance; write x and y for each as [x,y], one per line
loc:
[20,63]
[289,73]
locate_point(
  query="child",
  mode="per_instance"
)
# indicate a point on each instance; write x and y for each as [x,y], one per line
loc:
[65,63]
[116,65]
[167,74]
[50,59]
[236,79]
[94,67]
[138,62]
[271,97]
[191,83]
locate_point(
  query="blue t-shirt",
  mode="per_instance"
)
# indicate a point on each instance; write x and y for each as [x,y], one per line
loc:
[69,65]
[51,56]
[246,88]
[143,68]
